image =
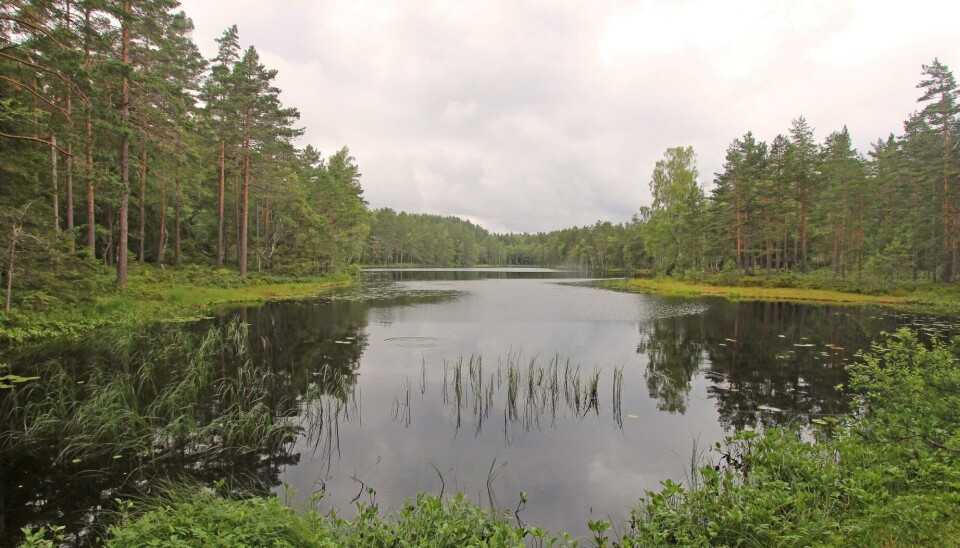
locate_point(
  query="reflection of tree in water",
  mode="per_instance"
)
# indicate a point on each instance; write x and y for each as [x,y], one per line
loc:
[675,349]
[293,354]
[769,363]
[781,356]
[128,412]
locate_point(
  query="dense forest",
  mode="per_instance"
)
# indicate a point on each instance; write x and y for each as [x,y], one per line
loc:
[793,204]
[119,142]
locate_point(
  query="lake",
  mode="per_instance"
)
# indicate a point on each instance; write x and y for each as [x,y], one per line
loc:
[489,382]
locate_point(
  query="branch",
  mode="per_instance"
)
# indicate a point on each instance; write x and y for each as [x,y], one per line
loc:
[35,140]
[66,81]
[38,96]
[33,27]
[918,435]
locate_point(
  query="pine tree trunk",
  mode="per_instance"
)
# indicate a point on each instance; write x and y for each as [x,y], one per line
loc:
[739,234]
[69,182]
[176,222]
[242,251]
[266,231]
[124,147]
[54,183]
[143,205]
[803,235]
[951,260]
[108,254]
[220,209]
[162,239]
[88,131]
[236,213]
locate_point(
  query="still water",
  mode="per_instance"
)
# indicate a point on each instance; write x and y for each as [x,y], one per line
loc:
[496,382]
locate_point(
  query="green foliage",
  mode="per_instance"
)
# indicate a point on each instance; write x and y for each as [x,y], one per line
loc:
[432,240]
[888,477]
[208,520]
[674,222]
[213,521]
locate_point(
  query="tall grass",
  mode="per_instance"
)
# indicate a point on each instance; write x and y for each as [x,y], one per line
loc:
[158,403]
[529,391]
[158,400]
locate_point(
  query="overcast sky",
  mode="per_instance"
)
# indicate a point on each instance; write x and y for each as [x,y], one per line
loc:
[536,115]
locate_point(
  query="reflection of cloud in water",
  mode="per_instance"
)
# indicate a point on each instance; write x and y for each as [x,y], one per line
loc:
[658,310]
[413,342]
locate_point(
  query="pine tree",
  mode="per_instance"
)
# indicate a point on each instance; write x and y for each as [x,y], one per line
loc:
[940,93]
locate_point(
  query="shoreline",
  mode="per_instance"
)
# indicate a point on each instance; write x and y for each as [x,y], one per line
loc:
[154,295]
[670,287]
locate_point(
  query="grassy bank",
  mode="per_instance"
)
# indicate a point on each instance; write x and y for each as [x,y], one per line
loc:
[887,476]
[670,286]
[152,294]
[816,286]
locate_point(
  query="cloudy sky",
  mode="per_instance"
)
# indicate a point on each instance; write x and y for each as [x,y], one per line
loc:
[543,114]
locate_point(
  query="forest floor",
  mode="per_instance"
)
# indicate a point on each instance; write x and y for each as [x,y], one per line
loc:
[151,294]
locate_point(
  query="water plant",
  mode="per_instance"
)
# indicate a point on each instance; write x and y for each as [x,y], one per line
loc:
[528,391]
[161,401]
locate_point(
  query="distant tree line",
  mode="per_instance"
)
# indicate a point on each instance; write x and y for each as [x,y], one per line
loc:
[120,142]
[403,238]
[791,205]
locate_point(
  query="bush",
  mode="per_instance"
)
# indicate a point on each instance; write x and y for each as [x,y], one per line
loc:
[203,519]
[890,477]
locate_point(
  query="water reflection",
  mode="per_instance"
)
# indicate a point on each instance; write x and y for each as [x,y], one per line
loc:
[586,396]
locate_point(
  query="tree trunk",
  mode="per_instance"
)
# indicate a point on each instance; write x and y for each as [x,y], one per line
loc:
[162,240]
[951,257]
[803,235]
[88,130]
[236,212]
[143,205]
[124,147]
[54,183]
[266,230]
[108,254]
[245,202]
[220,209]
[739,233]
[176,222]
[69,184]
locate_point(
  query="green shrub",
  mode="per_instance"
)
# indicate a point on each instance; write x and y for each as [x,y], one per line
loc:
[203,519]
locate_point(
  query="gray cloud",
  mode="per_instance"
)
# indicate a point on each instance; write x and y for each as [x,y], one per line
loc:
[537,115]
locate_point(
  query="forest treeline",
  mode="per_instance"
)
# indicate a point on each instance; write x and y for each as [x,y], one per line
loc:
[119,142]
[793,204]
